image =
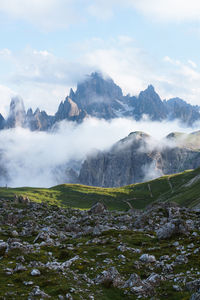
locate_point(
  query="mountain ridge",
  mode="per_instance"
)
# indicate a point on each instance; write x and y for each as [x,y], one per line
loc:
[101,98]
[138,157]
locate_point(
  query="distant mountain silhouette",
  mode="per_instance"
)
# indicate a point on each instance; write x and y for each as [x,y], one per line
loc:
[98,96]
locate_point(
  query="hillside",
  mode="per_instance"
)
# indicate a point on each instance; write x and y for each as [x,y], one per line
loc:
[182,188]
[49,252]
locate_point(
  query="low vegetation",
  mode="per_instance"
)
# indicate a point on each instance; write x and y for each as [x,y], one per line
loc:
[182,188]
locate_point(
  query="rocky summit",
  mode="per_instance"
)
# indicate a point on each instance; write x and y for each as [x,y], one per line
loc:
[49,252]
[139,157]
[100,97]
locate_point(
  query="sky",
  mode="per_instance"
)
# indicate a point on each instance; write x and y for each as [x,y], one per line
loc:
[47,46]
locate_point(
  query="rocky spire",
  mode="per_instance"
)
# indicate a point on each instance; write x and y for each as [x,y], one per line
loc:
[17,113]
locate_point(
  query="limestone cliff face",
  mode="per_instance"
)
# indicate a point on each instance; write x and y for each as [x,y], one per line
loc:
[69,110]
[150,104]
[39,120]
[133,159]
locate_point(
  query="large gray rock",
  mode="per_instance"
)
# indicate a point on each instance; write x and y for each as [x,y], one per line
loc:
[193,286]
[3,248]
[172,228]
[110,277]
[147,258]
[98,208]
[195,296]
[134,280]
[166,231]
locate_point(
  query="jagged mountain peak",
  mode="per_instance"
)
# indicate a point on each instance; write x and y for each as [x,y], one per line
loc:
[138,134]
[98,75]
[100,97]
[71,94]
[150,92]
[29,112]
[97,88]
[16,105]
[37,111]
[150,88]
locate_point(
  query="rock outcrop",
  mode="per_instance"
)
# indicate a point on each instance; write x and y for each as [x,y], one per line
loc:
[136,158]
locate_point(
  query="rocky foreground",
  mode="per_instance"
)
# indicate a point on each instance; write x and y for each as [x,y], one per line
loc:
[59,253]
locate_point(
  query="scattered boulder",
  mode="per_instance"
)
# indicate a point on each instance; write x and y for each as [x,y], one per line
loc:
[3,248]
[110,277]
[134,280]
[98,208]
[193,286]
[20,268]
[147,258]
[172,228]
[35,272]
[21,199]
[181,259]
[38,292]
[154,279]
[195,296]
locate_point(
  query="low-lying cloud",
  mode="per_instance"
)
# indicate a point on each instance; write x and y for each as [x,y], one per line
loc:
[31,158]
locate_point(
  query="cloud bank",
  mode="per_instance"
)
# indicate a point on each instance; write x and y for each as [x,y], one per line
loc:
[31,158]
[170,10]
[58,14]
[45,14]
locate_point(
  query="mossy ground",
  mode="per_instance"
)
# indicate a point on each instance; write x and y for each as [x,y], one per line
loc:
[94,259]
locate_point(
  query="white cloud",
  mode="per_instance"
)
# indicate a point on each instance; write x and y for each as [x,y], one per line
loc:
[42,95]
[122,60]
[192,63]
[42,79]
[183,80]
[30,162]
[170,10]
[46,14]
[44,67]
[5,96]
[55,14]
[105,12]
[5,52]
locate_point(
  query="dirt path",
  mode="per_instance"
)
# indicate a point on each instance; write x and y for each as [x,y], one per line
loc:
[150,191]
[129,204]
[170,184]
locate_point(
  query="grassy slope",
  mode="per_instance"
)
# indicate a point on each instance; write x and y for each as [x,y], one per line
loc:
[166,188]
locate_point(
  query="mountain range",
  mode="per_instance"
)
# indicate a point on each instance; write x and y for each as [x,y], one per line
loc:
[98,96]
